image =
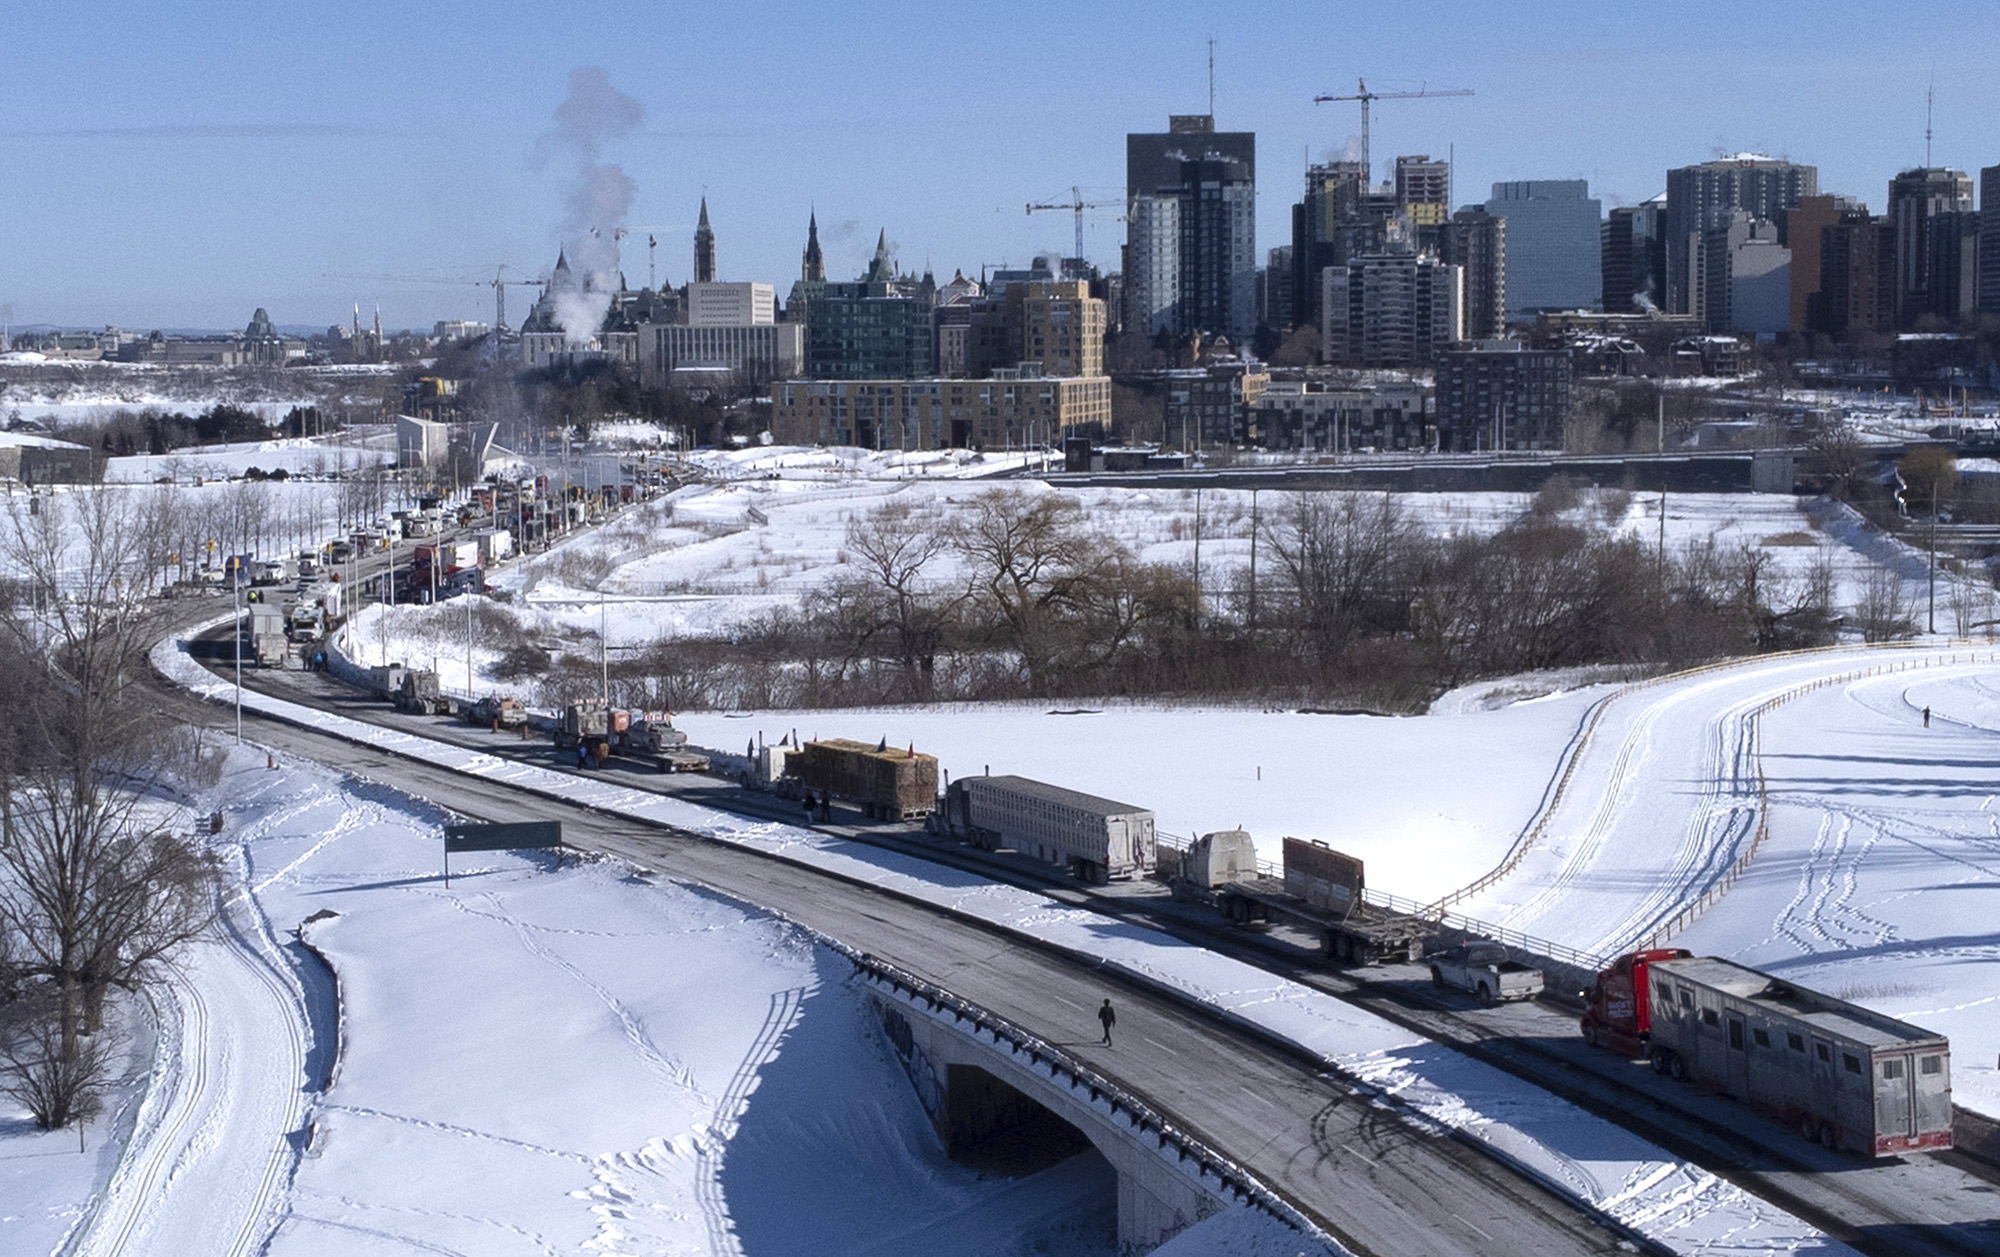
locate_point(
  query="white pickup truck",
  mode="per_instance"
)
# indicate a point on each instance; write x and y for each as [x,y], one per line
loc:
[1481,967]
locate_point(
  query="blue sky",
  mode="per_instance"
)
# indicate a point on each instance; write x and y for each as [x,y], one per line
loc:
[179,165]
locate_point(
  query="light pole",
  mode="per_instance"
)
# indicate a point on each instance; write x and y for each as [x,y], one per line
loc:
[236,595]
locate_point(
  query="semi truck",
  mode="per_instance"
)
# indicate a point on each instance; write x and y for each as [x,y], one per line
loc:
[590,725]
[1483,968]
[652,737]
[1096,839]
[1841,1075]
[1322,890]
[887,783]
[419,694]
[267,641]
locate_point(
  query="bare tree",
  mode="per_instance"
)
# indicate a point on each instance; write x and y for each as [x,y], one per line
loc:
[897,596]
[92,895]
[57,1082]
[1032,560]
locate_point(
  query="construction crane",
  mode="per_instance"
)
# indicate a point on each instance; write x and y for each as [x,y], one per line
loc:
[618,235]
[1366,97]
[1076,204]
[499,283]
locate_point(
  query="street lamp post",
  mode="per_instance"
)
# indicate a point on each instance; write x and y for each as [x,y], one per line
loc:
[236,594]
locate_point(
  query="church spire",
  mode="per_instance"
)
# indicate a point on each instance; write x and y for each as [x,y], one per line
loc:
[813,269]
[704,248]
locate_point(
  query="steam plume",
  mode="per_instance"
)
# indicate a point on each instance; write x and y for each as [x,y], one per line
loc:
[600,194]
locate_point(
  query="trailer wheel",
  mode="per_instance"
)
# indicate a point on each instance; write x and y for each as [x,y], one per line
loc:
[1828,1135]
[1663,1061]
[1808,1128]
[1329,945]
[1437,978]
[1680,1067]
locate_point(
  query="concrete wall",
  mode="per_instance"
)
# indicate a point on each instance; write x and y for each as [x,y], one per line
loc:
[975,1083]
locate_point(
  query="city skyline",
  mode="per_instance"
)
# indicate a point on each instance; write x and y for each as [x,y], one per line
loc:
[161,175]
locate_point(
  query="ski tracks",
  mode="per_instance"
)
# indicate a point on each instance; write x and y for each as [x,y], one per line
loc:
[208,1162]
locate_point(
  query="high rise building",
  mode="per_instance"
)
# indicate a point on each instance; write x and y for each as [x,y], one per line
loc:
[1340,217]
[1805,233]
[1476,242]
[1989,239]
[1390,309]
[1857,277]
[1274,290]
[704,248]
[1932,262]
[1747,277]
[1701,198]
[1423,190]
[1634,257]
[1554,244]
[1209,178]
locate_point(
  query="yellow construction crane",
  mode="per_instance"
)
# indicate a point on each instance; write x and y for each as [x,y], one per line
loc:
[1076,204]
[1366,97]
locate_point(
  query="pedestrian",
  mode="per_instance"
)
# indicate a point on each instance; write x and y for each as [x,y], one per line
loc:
[809,807]
[582,755]
[1109,1019]
[826,807]
[1927,717]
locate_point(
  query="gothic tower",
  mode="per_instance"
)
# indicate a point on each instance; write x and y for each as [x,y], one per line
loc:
[813,270]
[704,248]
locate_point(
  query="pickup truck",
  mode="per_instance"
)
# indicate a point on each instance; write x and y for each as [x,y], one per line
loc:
[1481,967]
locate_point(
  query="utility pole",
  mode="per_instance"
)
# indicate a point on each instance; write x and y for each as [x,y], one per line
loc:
[1932,547]
[1253,560]
[1197,556]
[236,592]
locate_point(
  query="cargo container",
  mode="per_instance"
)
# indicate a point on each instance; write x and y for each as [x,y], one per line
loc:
[1840,1074]
[888,783]
[1096,839]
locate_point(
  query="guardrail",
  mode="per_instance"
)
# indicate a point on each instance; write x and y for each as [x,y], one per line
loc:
[1044,1056]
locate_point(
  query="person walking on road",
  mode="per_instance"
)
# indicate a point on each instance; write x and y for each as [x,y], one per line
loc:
[1927,717]
[1109,1019]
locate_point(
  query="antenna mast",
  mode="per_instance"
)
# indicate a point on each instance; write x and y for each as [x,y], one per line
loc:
[1211,76]
[1930,94]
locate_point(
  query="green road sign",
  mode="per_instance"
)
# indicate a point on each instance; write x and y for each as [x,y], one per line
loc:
[507,837]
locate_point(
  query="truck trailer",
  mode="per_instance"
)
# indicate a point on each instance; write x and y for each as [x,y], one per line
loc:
[888,783]
[1322,890]
[1097,839]
[1840,1074]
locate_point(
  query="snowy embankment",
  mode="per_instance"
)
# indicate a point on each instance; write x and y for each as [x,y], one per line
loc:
[1679,1205]
[543,1058]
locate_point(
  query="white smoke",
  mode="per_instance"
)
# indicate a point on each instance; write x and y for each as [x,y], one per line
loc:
[600,195]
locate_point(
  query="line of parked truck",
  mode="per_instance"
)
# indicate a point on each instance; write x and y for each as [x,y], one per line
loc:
[1841,1075]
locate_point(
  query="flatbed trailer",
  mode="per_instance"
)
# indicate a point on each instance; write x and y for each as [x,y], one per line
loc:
[888,782]
[1322,891]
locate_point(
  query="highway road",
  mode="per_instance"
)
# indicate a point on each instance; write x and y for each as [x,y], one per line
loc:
[1313,1140]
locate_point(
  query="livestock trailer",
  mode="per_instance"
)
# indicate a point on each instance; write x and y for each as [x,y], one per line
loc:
[1842,1075]
[1097,839]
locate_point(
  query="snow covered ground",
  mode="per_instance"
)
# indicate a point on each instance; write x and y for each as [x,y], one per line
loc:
[1883,851]
[1679,1205]
[713,557]
[682,1073]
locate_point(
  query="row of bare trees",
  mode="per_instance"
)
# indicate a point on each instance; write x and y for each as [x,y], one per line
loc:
[96,892]
[1354,601]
